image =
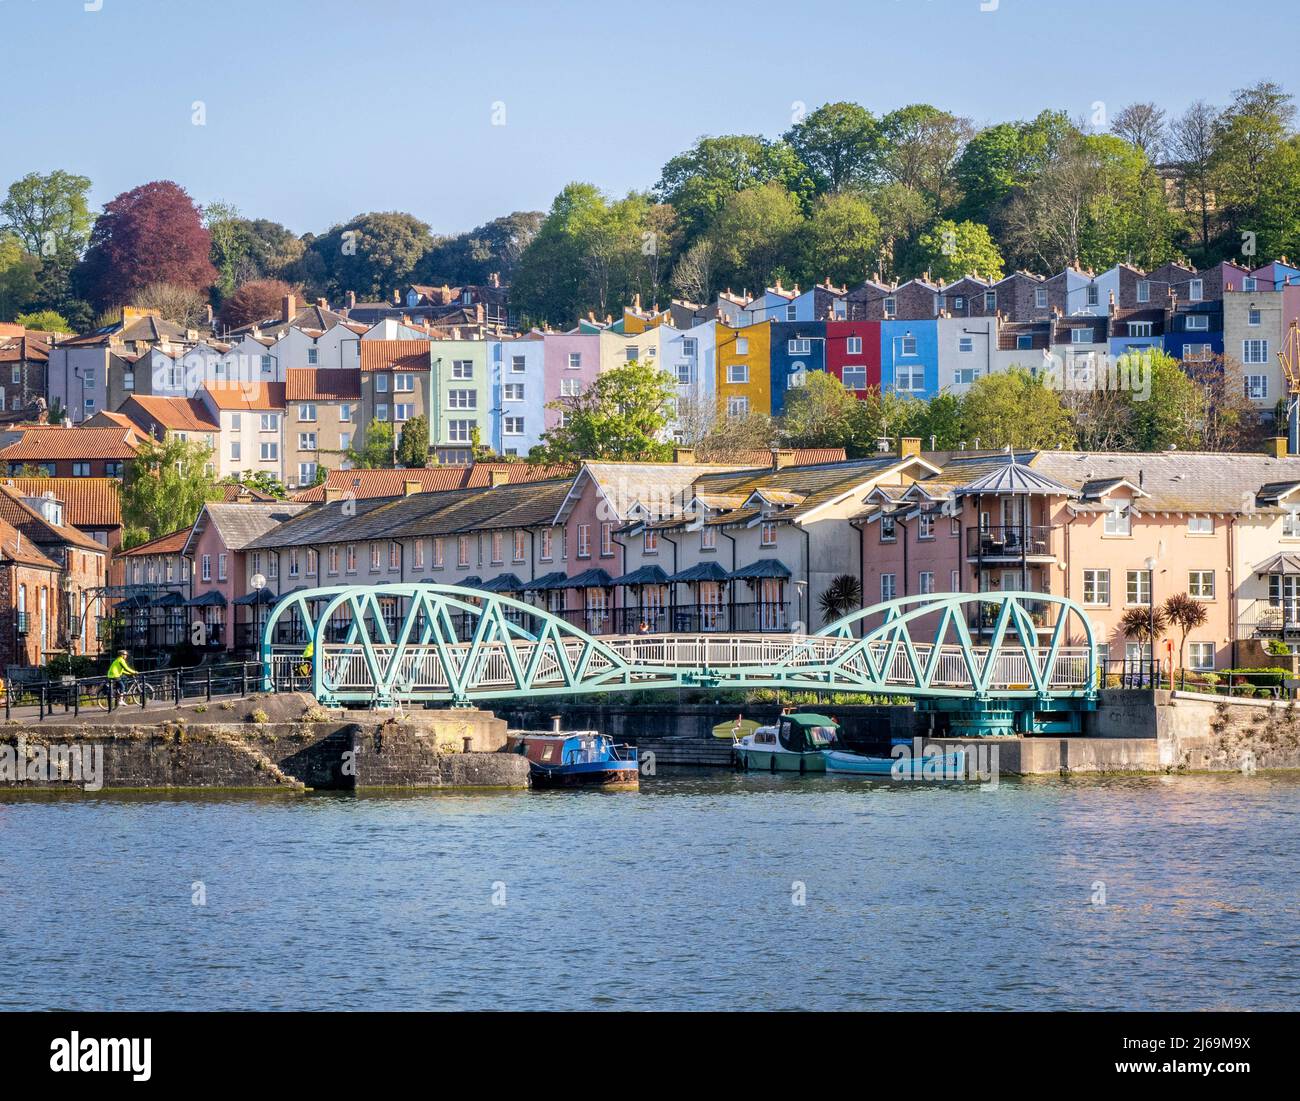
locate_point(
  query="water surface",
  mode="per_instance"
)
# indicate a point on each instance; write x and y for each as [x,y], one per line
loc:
[682,896]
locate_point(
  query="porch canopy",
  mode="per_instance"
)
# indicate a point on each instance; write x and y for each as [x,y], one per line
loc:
[553,580]
[503,583]
[595,578]
[1016,480]
[257,596]
[646,575]
[763,568]
[168,600]
[210,599]
[1288,564]
[134,603]
[701,571]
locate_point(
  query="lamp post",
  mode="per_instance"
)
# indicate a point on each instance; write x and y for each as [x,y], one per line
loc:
[259,583]
[1151,616]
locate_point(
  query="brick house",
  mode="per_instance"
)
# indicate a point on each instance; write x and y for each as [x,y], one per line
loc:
[60,451]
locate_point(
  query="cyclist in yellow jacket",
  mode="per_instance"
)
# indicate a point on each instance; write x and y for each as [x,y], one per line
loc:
[120,667]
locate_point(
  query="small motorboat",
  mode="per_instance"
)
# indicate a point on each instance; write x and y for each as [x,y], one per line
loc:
[794,743]
[576,758]
[933,766]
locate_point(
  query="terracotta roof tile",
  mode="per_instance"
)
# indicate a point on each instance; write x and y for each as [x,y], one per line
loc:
[87,502]
[184,414]
[164,544]
[26,519]
[396,355]
[15,548]
[51,442]
[322,384]
[246,395]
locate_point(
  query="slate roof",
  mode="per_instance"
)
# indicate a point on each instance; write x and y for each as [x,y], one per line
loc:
[1017,480]
[391,483]
[240,525]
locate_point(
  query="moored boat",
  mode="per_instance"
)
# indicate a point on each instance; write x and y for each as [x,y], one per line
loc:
[794,743]
[576,758]
[935,766]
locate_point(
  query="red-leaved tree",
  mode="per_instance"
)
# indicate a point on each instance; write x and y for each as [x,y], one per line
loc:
[256,300]
[152,234]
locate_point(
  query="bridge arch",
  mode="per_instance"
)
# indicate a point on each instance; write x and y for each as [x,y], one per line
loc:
[423,642]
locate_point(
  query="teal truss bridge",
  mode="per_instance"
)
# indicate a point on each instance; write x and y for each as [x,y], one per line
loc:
[380,645]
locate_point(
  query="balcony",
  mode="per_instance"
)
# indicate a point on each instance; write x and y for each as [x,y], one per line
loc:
[1261,619]
[1010,543]
[984,617]
[760,617]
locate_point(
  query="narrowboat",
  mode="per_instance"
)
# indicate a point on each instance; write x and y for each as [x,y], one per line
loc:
[576,758]
[794,743]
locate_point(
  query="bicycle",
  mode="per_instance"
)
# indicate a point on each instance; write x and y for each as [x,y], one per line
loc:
[127,690]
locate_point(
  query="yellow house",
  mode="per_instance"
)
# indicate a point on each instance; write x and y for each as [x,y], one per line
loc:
[637,321]
[744,369]
[618,348]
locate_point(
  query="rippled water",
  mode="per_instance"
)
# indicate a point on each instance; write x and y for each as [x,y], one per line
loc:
[679,896]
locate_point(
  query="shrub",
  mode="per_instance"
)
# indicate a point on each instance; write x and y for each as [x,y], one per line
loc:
[259,716]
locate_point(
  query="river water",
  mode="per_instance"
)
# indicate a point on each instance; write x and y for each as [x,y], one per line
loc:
[703,890]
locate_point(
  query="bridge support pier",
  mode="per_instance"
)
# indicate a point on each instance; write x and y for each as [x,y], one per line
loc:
[991,717]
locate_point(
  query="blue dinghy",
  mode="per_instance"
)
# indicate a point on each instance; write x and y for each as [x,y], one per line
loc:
[936,766]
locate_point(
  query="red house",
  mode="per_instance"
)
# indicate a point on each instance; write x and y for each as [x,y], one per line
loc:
[853,353]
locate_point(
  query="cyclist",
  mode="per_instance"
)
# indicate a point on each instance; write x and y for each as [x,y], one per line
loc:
[120,667]
[304,670]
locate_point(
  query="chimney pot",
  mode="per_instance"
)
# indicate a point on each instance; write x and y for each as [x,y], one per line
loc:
[782,457]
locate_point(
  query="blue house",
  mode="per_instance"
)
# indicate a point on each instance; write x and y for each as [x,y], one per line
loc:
[798,348]
[1194,331]
[909,358]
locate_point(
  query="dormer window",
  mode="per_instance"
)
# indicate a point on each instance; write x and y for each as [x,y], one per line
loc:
[888,533]
[891,308]
[1196,290]
[1094,295]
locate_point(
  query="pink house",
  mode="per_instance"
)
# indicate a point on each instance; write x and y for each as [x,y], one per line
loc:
[215,548]
[571,363]
[1110,531]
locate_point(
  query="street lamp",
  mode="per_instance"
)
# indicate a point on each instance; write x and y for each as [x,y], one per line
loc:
[259,583]
[1151,616]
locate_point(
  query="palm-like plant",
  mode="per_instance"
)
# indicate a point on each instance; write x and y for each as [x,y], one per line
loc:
[1136,623]
[842,596]
[1187,614]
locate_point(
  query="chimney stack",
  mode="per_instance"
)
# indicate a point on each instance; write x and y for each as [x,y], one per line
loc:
[684,455]
[288,307]
[244,497]
[498,477]
[410,488]
[782,457]
[352,300]
[909,446]
[332,494]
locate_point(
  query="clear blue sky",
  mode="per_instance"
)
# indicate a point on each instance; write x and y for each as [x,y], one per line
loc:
[321,109]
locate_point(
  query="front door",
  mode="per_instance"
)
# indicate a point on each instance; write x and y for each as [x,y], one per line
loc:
[710,605]
[597,610]
[771,606]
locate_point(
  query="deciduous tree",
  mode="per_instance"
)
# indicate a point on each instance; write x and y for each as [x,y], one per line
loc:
[164,487]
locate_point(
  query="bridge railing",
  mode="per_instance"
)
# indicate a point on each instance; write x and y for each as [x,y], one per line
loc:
[658,658]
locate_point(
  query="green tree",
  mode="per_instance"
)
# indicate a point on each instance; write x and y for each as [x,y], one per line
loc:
[1252,137]
[619,417]
[376,451]
[948,250]
[1168,413]
[18,276]
[755,232]
[261,480]
[413,448]
[48,212]
[698,183]
[820,413]
[841,239]
[1014,408]
[373,254]
[920,145]
[43,321]
[164,487]
[838,144]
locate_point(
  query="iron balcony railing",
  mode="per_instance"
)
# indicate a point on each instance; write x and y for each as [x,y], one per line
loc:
[1009,541]
[751,617]
[1264,619]
[984,617]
